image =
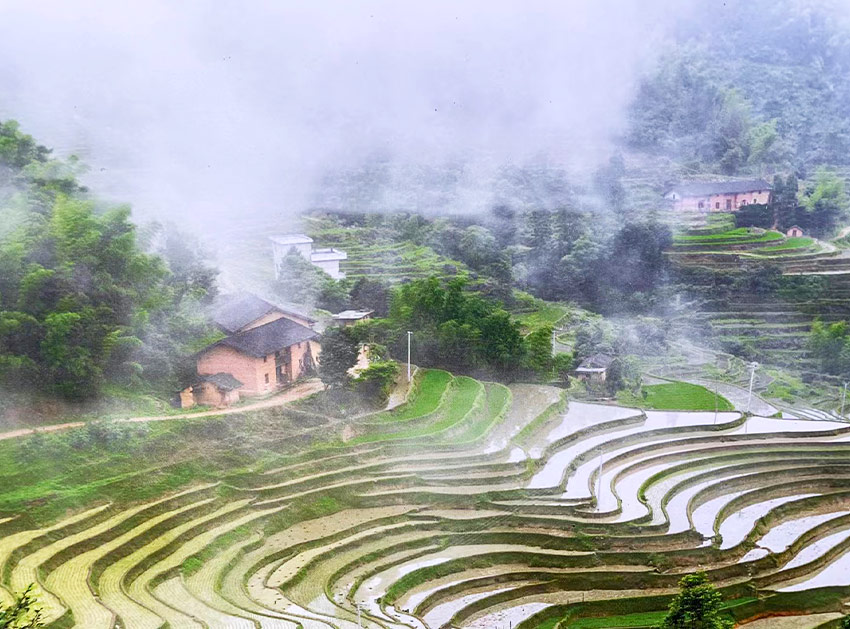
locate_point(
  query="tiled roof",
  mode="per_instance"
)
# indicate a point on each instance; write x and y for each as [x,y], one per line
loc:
[223,381]
[707,188]
[235,313]
[269,338]
[597,361]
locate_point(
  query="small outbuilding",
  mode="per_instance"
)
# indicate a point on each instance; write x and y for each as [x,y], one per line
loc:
[350,317]
[795,231]
[594,369]
[218,390]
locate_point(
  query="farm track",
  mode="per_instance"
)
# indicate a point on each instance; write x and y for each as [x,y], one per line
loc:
[496,506]
[299,391]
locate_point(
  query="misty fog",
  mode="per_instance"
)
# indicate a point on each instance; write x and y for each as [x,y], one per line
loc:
[202,112]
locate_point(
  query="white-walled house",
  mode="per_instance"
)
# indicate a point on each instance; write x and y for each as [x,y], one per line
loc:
[326,259]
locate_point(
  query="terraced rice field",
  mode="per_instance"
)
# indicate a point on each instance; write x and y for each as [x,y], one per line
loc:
[476,505]
[773,325]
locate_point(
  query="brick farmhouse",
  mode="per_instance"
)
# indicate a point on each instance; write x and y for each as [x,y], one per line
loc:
[718,196]
[266,346]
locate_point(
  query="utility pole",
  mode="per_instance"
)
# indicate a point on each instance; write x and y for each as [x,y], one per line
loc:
[753,366]
[409,334]
[599,480]
[843,398]
[715,401]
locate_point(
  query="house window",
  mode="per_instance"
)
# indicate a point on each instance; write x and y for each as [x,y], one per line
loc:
[717,205]
[265,358]
[701,205]
[754,201]
[728,204]
[267,378]
[743,202]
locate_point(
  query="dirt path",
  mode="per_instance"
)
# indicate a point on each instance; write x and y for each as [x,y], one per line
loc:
[402,388]
[297,392]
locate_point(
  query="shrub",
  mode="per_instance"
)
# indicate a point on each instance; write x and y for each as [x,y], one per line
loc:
[376,381]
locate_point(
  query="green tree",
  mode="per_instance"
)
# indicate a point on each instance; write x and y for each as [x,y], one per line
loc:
[562,364]
[623,373]
[339,354]
[755,215]
[376,381]
[367,294]
[24,613]
[845,623]
[783,201]
[609,184]
[830,344]
[825,201]
[696,606]
[298,280]
[768,151]
[539,356]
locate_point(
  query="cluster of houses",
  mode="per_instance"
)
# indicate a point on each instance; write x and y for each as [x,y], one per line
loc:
[267,346]
[327,259]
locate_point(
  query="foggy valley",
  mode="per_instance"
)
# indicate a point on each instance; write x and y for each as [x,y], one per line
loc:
[424,315]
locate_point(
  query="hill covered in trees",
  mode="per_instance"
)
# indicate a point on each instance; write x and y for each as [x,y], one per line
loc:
[85,298]
[754,87]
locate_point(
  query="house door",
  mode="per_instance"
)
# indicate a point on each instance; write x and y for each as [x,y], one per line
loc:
[283,367]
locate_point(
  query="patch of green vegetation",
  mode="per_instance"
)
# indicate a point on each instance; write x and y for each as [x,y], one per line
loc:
[498,402]
[790,244]
[533,313]
[676,396]
[426,396]
[642,619]
[45,475]
[740,232]
[461,399]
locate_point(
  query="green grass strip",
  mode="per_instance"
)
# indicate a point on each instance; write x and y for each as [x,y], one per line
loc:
[424,399]
[676,396]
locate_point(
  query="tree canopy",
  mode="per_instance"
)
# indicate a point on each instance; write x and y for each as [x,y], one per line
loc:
[78,292]
[696,606]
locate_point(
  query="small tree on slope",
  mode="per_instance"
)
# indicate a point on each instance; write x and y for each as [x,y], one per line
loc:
[23,614]
[339,354]
[696,606]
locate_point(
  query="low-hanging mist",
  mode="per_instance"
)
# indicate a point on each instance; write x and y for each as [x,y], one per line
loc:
[215,112]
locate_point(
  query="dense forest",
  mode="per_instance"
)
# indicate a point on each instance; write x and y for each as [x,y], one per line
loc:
[87,300]
[757,88]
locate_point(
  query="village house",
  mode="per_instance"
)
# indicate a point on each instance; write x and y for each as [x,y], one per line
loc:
[220,389]
[327,259]
[267,346]
[795,231]
[718,196]
[594,369]
[350,317]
